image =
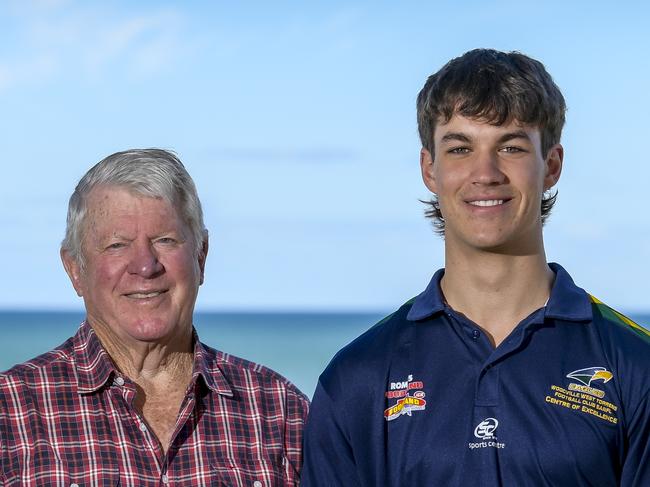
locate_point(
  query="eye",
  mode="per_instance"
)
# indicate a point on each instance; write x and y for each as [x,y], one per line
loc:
[115,246]
[458,150]
[512,149]
[166,240]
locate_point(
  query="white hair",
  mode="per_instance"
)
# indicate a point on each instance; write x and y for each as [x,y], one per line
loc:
[154,173]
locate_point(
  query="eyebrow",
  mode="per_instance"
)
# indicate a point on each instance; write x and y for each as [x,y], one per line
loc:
[517,134]
[461,137]
[455,136]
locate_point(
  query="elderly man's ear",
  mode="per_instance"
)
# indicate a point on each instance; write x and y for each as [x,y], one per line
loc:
[73,269]
[203,254]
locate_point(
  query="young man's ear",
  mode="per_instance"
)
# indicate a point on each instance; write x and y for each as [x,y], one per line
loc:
[73,269]
[554,159]
[426,166]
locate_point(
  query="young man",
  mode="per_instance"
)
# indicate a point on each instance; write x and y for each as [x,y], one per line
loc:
[503,371]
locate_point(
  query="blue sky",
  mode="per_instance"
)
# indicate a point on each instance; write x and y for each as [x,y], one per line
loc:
[297,122]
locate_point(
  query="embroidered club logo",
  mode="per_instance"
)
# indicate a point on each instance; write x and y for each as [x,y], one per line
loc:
[582,396]
[409,395]
[590,374]
[485,431]
[486,428]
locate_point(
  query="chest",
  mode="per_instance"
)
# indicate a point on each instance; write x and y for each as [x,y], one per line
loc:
[103,441]
[460,412]
[161,414]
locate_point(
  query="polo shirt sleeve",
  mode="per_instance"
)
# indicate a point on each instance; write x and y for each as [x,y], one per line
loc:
[636,469]
[328,456]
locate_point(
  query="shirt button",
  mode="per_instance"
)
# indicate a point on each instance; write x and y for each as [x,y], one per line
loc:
[257,483]
[165,479]
[119,381]
[476,334]
[143,427]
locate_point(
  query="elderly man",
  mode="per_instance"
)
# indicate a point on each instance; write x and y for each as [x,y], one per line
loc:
[134,398]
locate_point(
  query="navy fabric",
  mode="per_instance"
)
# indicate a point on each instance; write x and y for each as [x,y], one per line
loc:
[423,398]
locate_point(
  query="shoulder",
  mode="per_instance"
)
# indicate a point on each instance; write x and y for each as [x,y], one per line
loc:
[49,367]
[29,390]
[619,331]
[626,346]
[370,354]
[243,374]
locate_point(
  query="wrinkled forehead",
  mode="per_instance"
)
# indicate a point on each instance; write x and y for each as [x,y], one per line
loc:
[109,207]
[106,194]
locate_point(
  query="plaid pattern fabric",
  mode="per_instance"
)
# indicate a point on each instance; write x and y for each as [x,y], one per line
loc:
[67,419]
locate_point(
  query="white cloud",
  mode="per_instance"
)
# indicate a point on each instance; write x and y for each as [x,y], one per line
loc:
[147,44]
[52,40]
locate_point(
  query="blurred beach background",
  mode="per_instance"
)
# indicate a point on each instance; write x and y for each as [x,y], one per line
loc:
[297,122]
[297,345]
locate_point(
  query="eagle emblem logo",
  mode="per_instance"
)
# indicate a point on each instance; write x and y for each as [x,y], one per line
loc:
[590,374]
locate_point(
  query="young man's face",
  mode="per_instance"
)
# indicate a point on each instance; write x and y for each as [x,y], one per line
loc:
[489,181]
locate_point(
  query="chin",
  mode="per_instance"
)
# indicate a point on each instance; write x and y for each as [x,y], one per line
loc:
[510,245]
[152,330]
[479,240]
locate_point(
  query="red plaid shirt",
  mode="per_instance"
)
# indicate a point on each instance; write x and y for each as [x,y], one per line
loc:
[67,419]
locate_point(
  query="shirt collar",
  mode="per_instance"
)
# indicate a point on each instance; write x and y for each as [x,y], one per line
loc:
[93,364]
[430,301]
[206,366]
[95,367]
[567,301]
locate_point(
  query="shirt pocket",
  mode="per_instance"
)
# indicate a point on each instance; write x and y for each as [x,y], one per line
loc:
[251,473]
[103,476]
[42,466]
[38,465]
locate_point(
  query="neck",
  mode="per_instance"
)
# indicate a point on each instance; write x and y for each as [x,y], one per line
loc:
[496,291]
[162,373]
[147,362]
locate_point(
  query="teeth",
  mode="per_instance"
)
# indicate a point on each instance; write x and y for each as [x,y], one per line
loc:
[144,295]
[486,202]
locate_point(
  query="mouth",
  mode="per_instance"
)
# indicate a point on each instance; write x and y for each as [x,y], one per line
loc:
[144,295]
[488,203]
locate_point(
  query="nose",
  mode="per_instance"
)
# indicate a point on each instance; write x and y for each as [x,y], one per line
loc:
[144,261]
[487,170]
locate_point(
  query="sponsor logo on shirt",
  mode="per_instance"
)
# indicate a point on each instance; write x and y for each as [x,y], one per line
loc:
[485,431]
[410,397]
[582,395]
[590,374]
[486,428]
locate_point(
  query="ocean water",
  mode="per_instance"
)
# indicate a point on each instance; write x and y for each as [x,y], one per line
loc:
[297,345]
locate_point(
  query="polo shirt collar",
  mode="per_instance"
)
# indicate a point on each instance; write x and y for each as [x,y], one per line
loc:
[567,301]
[430,301]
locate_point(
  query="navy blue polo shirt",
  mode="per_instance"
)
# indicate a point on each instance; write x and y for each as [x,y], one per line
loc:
[423,398]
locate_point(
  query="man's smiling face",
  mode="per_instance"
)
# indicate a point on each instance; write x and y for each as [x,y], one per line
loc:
[489,180]
[142,270]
